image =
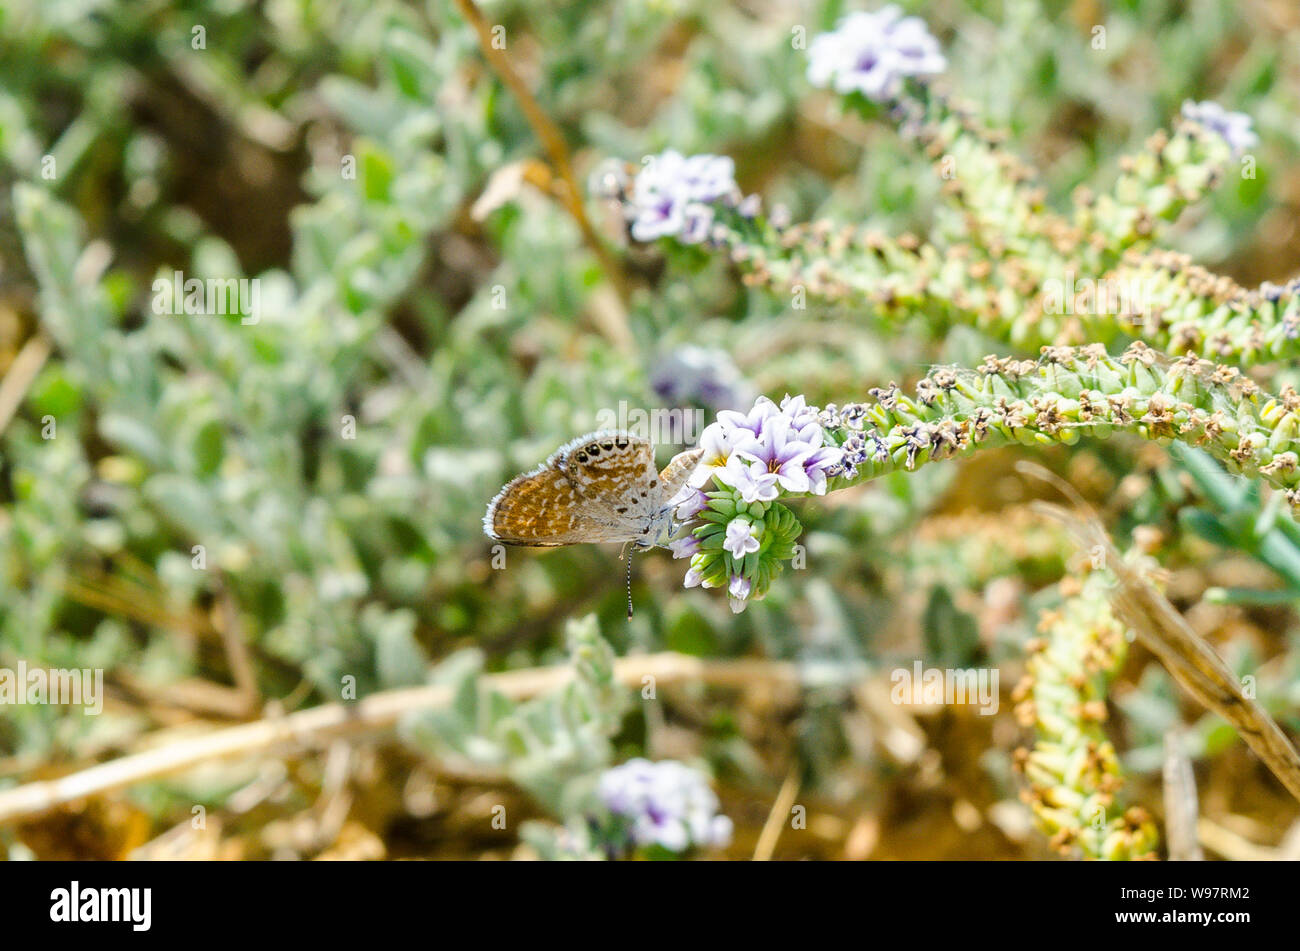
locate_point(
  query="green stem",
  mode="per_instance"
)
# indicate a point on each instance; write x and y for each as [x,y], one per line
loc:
[1074,392]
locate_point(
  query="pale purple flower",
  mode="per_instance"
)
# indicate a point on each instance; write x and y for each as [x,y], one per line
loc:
[689,502]
[805,421]
[795,407]
[779,453]
[823,461]
[810,431]
[696,219]
[695,574]
[672,195]
[709,177]
[701,375]
[768,449]
[657,213]
[684,547]
[751,423]
[872,53]
[738,593]
[666,804]
[1235,127]
[741,538]
[750,479]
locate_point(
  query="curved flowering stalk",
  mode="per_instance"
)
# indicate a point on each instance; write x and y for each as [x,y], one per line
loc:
[1157,296]
[884,59]
[1067,394]
[1022,275]
[1072,772]
[1005,213]
[901,279]
[1156,184]
[1045,298]
[1191,309]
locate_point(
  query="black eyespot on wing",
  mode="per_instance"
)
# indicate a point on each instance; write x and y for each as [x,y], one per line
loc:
[582,457]
[653,483]
[621,442]
[595,451]
[604,445]
[622,510]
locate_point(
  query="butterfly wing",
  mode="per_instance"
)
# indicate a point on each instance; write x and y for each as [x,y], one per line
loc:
[602,487]
[593,489]
[615,473]
[542,509]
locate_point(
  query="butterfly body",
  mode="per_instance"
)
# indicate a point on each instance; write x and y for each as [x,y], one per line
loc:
[601,487]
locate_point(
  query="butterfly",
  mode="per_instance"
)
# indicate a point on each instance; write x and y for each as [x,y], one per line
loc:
[601,487]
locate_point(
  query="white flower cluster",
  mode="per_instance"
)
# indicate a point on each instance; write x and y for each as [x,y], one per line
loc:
[666,804]
[673,195]
[767,451]
[872,53]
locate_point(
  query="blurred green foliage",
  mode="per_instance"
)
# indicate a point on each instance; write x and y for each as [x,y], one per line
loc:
[334,458]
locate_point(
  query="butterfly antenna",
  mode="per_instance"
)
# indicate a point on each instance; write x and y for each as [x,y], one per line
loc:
[629,587]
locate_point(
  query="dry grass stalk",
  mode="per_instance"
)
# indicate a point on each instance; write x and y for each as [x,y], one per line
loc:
[1189,659]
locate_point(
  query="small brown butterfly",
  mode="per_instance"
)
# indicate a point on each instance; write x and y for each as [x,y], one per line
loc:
[602,487]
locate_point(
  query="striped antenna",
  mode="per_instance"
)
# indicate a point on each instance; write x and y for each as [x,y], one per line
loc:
[628,556]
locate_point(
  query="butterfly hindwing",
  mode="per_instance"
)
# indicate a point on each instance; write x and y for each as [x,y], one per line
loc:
[615,472]
[539,508]
[602,487]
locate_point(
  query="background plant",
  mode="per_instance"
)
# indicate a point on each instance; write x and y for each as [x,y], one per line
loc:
[331,557]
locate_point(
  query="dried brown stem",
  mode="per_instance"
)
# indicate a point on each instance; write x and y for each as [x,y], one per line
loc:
[557,150]
[22,371]
[381,711]
[234,640]
[1191,661]
[781,807]
[1180,801]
